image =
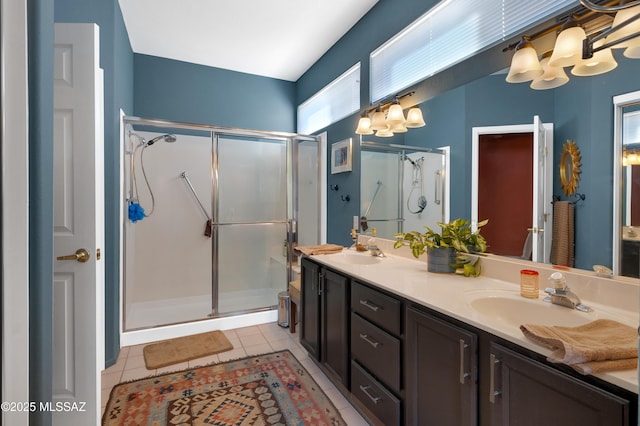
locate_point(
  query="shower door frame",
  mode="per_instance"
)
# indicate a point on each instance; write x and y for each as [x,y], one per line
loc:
[291,140]
[291,207]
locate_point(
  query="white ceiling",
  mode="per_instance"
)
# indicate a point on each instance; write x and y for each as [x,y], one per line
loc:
[272,38]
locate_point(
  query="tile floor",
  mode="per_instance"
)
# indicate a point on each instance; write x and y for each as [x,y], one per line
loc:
[246,341]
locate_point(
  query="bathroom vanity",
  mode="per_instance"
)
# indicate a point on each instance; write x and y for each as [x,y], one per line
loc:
[411,347]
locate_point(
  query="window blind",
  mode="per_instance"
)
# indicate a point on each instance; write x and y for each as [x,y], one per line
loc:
[450,32]
[335,101]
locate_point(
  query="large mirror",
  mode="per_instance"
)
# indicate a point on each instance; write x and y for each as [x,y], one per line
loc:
[626,224]
[402,188]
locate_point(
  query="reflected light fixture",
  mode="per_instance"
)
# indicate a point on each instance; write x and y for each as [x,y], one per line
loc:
[588,54]
[364,126]
[387,118]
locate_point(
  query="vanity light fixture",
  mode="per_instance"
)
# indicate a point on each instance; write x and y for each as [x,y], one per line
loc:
[551,77]
[568,48]
[387,118]
[587,54]
[525,65]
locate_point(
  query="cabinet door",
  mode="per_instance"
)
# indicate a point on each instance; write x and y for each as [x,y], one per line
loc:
[335,323]
[525,392]
[441,372]
[310,307]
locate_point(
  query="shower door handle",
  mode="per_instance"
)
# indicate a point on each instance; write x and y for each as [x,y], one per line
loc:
[81,255]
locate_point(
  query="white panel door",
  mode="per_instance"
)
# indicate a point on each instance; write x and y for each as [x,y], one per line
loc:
[542,190]
[78,283]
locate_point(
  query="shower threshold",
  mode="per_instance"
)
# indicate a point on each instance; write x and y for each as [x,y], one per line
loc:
[158,313]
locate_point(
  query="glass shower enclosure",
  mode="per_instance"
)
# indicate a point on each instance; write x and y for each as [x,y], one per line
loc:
[222,208]
[402,188]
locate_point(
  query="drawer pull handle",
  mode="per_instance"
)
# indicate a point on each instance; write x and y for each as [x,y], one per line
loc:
[369,340]
[370,305]
[374,399]
[492,379]
[463,374]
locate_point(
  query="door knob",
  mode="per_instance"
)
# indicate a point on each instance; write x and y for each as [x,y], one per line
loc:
[81,255]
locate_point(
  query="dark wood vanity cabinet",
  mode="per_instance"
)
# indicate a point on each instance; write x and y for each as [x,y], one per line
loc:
[441,370]
[630,265]
[403,363]
[325,323]
[376,353]
[310,307]
[525,392]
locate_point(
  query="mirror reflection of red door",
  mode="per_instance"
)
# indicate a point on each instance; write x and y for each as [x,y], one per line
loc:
[505,185]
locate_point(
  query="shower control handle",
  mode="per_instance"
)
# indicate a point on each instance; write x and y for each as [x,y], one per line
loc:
[81,255]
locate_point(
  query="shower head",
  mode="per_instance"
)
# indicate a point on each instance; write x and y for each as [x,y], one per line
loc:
[167,138]
[406,157]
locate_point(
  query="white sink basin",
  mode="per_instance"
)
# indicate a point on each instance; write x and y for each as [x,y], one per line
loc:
[354,258]
[511,308]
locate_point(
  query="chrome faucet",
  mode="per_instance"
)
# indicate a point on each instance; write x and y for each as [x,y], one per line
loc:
[375,251]
[561,295]
[371,245]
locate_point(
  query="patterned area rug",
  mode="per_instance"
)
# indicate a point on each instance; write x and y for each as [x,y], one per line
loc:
[270,389]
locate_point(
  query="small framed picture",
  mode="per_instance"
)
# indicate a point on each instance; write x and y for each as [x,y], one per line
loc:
[341,157]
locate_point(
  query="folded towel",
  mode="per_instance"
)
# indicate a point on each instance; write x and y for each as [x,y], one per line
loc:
[601,345]
[320,249]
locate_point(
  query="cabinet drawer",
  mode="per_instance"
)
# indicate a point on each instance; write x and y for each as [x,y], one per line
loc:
[378,308]
[382,403]
[377,350]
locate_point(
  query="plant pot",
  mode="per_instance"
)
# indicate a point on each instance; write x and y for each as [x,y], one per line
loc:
[440,259]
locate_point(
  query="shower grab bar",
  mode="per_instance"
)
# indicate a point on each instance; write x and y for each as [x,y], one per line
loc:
[438,188]
[209,224]
[193,191]
[375,194]
[271,222]
[386,220]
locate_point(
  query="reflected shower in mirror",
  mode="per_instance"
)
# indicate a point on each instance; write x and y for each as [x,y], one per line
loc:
[627,137]
[402,188]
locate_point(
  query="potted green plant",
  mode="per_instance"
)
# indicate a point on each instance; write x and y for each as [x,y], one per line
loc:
[443,248]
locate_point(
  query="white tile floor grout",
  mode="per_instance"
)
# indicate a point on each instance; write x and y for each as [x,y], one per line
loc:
[246,342]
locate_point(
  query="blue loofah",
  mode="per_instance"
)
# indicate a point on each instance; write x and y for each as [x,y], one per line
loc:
[136,212]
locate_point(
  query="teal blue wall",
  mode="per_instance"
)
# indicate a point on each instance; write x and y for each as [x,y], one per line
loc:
[181,91]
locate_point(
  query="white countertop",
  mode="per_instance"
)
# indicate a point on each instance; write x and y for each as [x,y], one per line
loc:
[453,295]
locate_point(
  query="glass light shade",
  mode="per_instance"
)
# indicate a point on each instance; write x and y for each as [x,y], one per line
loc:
[414,118]
[601,62]
[552,77]
[378,121]
[395,115]
[524,65]
[629,29]
[568,48]
[633,51]
[364,126]
[384,133]
[399,128]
